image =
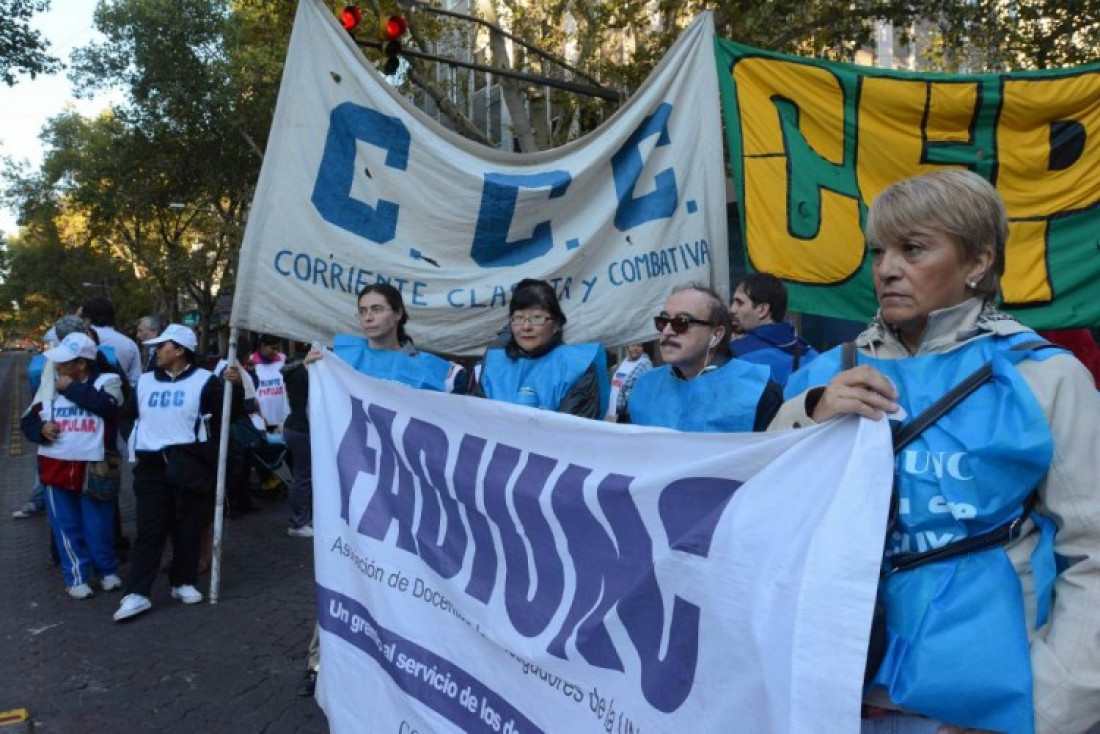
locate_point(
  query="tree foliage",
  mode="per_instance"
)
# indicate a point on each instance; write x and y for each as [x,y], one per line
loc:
[22,49]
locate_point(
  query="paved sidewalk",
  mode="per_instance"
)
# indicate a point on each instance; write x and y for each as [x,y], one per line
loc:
[234,666]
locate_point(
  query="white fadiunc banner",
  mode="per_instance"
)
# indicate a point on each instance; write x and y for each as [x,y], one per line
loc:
[359,186]
[483,567]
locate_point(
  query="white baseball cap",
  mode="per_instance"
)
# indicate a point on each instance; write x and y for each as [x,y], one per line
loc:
[177,333]
[73,346]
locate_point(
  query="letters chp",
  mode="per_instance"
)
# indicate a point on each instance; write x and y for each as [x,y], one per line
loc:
[815,155]
[351,124]
[612,565]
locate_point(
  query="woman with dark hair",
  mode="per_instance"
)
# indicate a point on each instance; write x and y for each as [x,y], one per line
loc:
[387,352]
[991,571]
[536,368]
[174,410]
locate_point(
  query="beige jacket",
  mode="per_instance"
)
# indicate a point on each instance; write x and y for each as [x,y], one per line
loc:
[1065,652]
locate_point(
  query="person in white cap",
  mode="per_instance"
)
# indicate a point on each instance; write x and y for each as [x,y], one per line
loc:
[77,426]
[175,410]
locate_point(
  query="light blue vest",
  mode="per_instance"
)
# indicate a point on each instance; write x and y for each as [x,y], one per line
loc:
[957,638]
[723,400]
[423,371]
[543,382]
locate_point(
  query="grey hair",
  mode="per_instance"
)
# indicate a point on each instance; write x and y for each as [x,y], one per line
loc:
[69,324]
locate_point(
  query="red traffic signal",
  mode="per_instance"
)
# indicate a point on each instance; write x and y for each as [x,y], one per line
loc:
[350,17]
[392,30]
[394,27]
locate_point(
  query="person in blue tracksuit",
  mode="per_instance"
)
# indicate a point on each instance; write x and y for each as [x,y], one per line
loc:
[77,425]
[1003,637]
[701,387]
[760,333]
[536,367]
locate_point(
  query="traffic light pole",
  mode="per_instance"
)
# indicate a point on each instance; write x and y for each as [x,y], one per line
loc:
[584,89]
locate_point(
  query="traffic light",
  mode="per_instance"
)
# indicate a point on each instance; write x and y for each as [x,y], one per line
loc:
[393,28]
[351,17]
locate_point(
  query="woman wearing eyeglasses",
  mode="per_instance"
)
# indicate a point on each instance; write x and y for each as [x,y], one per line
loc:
[536,368]
[700,387]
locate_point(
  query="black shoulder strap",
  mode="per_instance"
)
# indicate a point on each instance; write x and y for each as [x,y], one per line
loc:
[906,434]
[797,355]
[847,355]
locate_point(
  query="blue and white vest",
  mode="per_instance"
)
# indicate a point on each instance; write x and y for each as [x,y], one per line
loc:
[543,382]
[423,371]
[723,400]
[957,647]
[168,411]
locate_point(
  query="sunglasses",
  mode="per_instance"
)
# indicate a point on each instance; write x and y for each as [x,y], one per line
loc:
[679,324]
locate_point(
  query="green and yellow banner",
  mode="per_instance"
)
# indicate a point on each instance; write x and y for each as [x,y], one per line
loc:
[812,143]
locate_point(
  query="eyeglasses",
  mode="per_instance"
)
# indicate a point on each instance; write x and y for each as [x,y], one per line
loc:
[679,324]
[538,319]
[375,310]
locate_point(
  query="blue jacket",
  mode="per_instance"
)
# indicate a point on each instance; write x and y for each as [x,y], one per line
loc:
[774,346]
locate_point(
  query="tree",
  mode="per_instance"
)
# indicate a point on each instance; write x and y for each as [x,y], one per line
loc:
[200,79]
[22,49]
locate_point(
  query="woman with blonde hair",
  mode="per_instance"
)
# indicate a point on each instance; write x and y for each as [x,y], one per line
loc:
[995,477]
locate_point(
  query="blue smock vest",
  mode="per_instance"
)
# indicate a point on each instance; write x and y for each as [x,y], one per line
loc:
[423,371]
[957,647]
[543,382]
[723,400]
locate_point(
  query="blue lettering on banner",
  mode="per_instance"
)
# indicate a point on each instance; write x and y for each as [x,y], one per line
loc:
[336,276]
[499,194]
[431,679]
[612,560]
[350,124]
[659,263]
[627,165]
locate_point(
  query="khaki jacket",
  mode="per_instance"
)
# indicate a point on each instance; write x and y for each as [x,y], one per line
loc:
[1065,652]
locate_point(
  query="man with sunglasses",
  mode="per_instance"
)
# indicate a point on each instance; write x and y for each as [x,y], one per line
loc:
[761,335]
[701,387]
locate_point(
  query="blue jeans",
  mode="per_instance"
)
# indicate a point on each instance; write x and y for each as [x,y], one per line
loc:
[38,495]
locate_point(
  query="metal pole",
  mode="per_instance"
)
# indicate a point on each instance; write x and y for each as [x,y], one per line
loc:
[607,94]
[219,494]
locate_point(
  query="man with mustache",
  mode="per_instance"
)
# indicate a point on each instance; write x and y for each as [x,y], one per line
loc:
[701,387]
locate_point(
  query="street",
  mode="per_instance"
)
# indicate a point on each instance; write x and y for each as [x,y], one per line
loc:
[232,666]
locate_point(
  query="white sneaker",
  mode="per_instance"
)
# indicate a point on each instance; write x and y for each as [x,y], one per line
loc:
[110,582]
[187,594]
[131,606]
[306,531]
[80,591]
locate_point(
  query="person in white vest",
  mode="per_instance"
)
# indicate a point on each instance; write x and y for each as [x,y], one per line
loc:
[270,386]
[77,426]
[175,410]
[635,365]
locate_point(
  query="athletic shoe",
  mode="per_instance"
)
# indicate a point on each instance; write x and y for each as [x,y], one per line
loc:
[131,606]
[187,593]
[80,591]
[27,510]
[306,531]
[110,582]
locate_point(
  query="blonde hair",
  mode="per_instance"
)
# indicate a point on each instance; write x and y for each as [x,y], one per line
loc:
[955,202]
